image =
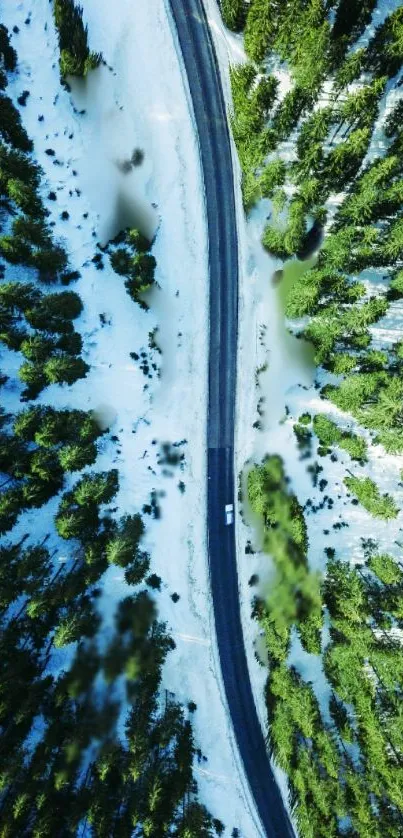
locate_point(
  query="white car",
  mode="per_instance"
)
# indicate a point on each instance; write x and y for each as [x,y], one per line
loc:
[229,514]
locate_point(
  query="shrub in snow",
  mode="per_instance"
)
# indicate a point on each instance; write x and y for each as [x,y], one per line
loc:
[154,581]
[134,262]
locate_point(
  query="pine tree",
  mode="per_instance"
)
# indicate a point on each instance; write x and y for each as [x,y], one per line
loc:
[11,128]
[8,54]
[352,16]
[32,374]
[82,622]
[381,506]
[74,457]
[273,175]
[342,164]
[385,50]
[234,14]
[122,549]
[260,28]
[75,56]
[63,369]
[344,592]
[96,488]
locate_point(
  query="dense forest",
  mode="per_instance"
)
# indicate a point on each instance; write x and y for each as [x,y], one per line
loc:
[345,771]
[327,154]
[340,148]
[66,687]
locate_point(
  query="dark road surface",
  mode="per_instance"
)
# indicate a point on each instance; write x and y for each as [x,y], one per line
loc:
[215,150]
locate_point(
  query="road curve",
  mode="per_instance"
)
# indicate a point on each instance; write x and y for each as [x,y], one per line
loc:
[215,151]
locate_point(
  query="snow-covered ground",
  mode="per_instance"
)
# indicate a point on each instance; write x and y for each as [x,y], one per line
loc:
[139,101]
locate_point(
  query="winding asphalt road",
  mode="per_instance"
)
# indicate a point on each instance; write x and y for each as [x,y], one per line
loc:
[215,151]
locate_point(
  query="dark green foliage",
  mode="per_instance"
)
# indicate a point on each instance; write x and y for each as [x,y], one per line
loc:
[260,28]
[123,549]
[385,50]
[7,53]
[54,312]
[374,398]
[343,163]
[352,16]
[367,492]
[138,240]
[234,13]
[286,243]
[252,105]
[78,513]
[328,329]
[300,34]
[386,569]
[330,435]
[313,772]
[356,602]
[374,194]
[51,262]
[350,70]
[294,596]
[10,508]
[288,113]
[45,444]
[159,746]
[394,121]
[48,427]
[134,262]
[273,175]
[334,789]
[16,166]
[310,141]
[63,369]
[306,25]
[364,669]
[50,359]
[11,128]
[304,437]
[75,56]
[29,242]
[396,285]
[60,368]
[23,195]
